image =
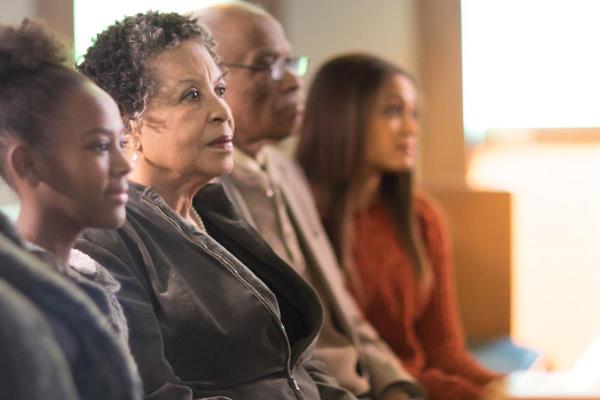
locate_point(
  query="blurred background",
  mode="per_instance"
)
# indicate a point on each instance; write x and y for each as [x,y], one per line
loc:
[510,144]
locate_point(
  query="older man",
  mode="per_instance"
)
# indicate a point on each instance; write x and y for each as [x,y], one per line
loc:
[263,85]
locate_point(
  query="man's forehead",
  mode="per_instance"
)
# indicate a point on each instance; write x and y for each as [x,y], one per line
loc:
[256,35]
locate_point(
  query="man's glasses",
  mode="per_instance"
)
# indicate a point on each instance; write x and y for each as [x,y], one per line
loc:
[297,66]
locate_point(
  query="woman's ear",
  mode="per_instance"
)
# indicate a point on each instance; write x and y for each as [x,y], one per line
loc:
[134,133]
[20,164]
[133,125]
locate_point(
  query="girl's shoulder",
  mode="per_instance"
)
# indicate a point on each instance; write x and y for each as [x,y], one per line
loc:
[83,263]
[89,268]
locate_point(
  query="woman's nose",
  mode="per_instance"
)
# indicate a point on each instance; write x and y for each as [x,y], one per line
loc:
[410,125]
[221,112]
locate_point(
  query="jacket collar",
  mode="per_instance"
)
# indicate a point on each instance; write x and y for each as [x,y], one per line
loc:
[216,209]
[214,206]
[141,196]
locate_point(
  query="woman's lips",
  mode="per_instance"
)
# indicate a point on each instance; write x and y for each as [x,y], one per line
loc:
[222,142]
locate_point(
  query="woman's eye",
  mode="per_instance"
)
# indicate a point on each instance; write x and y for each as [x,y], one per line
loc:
[220,91]
[392,111]
[193,94]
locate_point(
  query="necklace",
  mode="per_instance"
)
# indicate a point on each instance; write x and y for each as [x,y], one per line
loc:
[199,221]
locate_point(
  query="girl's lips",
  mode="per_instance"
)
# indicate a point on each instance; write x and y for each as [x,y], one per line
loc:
[119,197]
[119,194]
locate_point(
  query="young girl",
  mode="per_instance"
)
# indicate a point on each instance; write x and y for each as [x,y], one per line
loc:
[358,149]
[60,151]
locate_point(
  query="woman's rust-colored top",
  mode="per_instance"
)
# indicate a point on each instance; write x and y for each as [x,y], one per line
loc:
[425,331]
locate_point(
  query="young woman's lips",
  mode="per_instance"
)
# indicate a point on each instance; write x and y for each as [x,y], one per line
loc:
[408,146]
[222,142]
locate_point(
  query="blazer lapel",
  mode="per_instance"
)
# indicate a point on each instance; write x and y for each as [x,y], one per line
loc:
[310,232]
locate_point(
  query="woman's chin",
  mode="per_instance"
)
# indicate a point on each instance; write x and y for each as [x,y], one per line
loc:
[228,167]
[399,167]
[217,169]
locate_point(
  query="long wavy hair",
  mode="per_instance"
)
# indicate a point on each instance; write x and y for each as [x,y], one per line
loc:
[332,151]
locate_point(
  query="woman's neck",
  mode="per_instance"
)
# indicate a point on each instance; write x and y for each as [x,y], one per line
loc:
[54,233]
[178,192]
[367,191]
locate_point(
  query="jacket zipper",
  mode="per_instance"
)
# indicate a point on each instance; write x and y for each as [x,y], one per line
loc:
[290,369]
[294,384]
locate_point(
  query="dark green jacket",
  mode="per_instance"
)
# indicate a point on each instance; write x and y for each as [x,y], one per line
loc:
[211,315]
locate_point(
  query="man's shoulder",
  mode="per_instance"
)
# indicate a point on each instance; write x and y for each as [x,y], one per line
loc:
[279,160]
[275,154]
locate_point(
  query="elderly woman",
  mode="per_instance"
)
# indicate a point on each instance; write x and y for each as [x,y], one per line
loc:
[212,311]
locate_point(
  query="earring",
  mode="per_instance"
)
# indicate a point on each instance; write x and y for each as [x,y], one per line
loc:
[136,156]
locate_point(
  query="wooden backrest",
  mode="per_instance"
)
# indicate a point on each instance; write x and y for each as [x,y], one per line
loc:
[480,227]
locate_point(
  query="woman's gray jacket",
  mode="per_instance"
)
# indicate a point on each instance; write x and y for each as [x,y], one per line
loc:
[215,314]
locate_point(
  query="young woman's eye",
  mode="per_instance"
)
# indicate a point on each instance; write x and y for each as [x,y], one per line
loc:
[392,111]
[122,143]
[193,94]
[220,90]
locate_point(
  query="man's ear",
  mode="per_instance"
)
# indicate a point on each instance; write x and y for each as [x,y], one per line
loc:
[21,165]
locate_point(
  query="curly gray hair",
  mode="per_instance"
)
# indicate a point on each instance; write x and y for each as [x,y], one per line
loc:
[118,59]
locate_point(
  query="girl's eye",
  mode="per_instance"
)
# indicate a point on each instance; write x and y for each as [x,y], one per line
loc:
[122,143]
[193,94]
[220,91]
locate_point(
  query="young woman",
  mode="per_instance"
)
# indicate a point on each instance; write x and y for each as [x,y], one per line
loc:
[358,149]
[60,151]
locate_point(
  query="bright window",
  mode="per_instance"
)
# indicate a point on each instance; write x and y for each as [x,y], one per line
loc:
[531,72]
[531,63]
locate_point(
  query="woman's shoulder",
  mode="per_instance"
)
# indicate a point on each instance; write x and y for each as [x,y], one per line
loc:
[115,239]
[426,206]
[107,239]
[98,251]
[431,216]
